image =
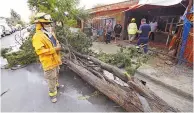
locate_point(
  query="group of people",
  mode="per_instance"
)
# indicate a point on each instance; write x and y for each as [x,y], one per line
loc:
[145,31]
[132,29]
[109,30]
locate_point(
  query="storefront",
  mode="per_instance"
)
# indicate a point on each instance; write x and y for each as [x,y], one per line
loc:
[167,18]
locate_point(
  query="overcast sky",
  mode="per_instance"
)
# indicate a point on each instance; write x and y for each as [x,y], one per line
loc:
[21,7]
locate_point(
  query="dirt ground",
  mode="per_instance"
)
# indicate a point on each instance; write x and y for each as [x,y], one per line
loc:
[180,75]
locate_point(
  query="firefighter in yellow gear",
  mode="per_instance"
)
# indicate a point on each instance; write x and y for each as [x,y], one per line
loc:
[47,47]
[132,30]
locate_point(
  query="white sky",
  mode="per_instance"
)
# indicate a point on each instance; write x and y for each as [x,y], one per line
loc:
[21,7]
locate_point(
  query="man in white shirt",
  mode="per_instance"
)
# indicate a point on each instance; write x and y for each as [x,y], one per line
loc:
[153,26]
[109,29]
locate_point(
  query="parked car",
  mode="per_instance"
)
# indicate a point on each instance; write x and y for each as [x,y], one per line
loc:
[31,27]
[13,29]
[8,30]
[2,31]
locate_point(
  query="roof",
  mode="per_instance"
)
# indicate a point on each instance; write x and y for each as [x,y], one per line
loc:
[151,4]
[160,2]
[115,6]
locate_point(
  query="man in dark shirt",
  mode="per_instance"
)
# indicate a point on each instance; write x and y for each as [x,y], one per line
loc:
[144,31]
[117,30]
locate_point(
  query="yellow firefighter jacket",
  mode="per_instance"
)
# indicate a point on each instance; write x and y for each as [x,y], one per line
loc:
[48,56]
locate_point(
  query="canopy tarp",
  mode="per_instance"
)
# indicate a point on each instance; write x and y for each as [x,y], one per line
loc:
[159,2]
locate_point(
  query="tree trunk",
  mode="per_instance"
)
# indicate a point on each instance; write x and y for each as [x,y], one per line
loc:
[128,100]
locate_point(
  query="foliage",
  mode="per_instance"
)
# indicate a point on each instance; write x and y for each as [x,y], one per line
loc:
[56,9]
[4,51]
[78,40]
[24,56]
[20,57]
[15,18]
[129,58]
[32,19]
[21,23]
[15,15]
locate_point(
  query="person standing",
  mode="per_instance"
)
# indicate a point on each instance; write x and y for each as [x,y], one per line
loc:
[132,30]
[109,30]
[117,30]
[153,26]
[100,33]
[47,47]
[144,30]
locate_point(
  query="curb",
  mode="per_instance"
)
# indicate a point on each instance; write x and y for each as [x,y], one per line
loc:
[176,90]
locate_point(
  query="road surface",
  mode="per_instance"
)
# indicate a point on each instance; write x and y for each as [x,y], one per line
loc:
[27,91]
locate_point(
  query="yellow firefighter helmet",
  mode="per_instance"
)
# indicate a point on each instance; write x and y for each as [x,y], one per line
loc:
[43,18]
[133,20]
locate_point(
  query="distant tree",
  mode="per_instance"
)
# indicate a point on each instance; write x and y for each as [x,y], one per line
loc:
[21,23]
[9,21]
[32,19]
[56,9]
[15,15]
[14,19]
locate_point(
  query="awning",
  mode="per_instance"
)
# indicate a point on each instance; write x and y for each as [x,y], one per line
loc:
[159,2]
[154,3]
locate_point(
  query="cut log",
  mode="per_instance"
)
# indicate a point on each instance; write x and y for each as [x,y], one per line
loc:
[128,100]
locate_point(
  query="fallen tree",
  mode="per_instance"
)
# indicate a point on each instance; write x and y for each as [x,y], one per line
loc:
[134,89]
[134,98]
[129,93]
[128,100]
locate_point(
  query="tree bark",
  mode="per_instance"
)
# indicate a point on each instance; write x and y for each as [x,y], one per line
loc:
[128,100]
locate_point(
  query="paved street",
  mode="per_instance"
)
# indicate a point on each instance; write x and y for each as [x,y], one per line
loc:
[27,91]
[9,40]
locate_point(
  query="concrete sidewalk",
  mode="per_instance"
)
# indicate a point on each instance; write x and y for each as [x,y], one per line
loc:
[181,84]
